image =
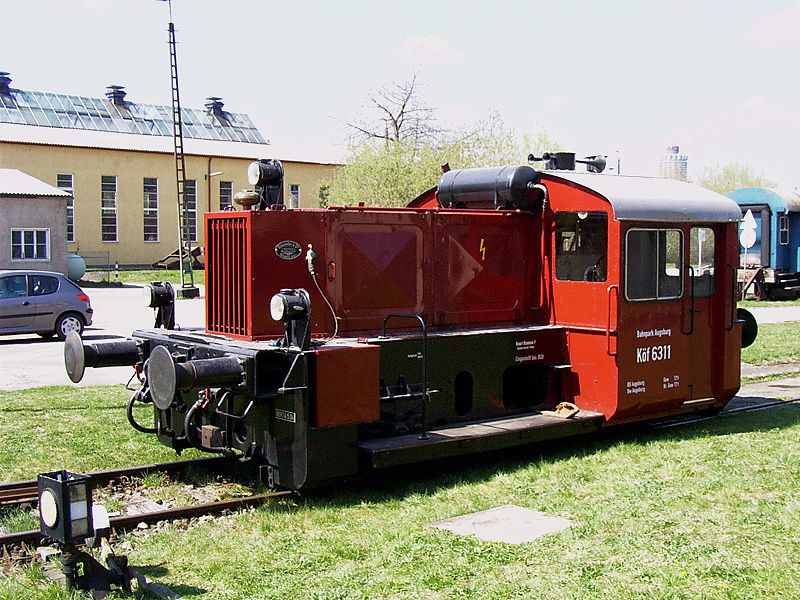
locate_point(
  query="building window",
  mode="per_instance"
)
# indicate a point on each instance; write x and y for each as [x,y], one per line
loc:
[225,195]
[190,199]
[64,182]
[653,264]
[581,246]
[150,187]
[701,260]
[294,195]
[30,244]
[108,203]
[783,229]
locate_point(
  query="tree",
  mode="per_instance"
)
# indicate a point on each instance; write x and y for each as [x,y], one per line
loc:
[396,114]
[732,176]
[398,153]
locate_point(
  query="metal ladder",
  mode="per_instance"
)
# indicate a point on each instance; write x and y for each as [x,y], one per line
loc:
[184,231]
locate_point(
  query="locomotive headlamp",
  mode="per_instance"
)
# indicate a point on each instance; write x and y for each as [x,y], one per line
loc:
[65,501]
[160,295]
[288,305]
[264,172]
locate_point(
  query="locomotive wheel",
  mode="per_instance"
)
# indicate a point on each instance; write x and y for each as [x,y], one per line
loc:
[749,326]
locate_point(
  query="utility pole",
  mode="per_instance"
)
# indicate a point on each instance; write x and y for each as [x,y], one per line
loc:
[187,288]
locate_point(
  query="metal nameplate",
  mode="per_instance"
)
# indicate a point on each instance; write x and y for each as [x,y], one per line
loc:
[288,250]
[285,415]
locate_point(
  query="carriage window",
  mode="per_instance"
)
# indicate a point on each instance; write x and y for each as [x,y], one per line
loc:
[783,228]
[701,259]
[581,246]
[653,264]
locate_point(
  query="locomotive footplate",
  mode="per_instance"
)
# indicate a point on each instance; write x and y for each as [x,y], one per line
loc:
[474,437]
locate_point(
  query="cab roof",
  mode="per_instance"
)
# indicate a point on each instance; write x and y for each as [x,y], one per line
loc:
[653,199]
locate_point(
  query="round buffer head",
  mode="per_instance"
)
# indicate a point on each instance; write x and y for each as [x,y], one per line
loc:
[162,377]
[74,357]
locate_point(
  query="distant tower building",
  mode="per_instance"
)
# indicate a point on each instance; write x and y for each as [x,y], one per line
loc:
[673,164]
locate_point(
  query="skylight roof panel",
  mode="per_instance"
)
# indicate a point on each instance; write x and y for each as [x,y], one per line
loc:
[15,116]
[52,117]
[55,101]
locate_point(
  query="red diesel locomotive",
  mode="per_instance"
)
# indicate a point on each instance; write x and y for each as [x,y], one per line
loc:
[506,306]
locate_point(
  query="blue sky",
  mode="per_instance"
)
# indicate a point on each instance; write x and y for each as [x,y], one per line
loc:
[718,78]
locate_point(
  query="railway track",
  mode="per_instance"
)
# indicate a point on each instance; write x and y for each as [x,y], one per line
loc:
[22,492]
[129,522]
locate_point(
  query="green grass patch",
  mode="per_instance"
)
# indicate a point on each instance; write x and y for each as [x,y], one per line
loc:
[150,275]
[14,519]
[776,343]
[705,511]
[767,303]
[78,429]
[766,378]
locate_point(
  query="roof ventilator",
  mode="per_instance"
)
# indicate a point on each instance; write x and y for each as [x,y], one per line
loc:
[116,94]
[214,106]
[5,83]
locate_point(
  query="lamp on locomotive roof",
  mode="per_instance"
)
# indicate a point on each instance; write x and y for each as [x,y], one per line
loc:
[266,176]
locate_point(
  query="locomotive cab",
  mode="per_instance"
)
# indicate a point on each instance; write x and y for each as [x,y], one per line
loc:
[657,330]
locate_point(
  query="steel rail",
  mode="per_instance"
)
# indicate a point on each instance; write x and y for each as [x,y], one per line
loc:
[129,522]
[18,493]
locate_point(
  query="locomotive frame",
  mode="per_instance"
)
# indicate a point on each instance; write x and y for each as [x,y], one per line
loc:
[505,307]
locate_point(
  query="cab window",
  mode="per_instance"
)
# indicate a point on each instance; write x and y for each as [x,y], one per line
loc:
[581,246]
[42,285]
[701,261]
[653,264]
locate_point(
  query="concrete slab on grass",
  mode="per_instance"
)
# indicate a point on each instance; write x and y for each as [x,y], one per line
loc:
[510,524]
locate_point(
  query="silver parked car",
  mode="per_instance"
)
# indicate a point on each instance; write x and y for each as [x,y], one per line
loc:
[42,302]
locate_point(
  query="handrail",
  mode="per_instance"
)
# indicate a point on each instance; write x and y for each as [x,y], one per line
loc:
[734,296]
[690,269]
[615,289]
[424,326]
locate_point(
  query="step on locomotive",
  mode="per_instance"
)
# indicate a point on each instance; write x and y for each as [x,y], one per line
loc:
[503,307]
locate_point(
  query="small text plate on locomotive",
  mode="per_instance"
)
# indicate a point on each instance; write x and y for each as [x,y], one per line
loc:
[288,250]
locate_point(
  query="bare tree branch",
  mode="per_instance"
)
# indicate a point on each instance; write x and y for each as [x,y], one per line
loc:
[396,113]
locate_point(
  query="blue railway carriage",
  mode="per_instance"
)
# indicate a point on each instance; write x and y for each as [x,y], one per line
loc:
[776,252]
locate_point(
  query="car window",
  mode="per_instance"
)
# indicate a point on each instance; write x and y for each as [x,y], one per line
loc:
[43,284]
[13,286]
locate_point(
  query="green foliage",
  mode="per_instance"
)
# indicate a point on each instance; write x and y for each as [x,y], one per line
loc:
[392,173]
[732,176]
[776,343]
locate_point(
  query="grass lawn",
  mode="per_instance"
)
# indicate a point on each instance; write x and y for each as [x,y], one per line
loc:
[143,276]
[767,303]
[706,511]
[148,276]
[776,343]
[72,428]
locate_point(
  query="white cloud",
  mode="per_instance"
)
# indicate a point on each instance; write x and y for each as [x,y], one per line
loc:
[428,49]
[779,29]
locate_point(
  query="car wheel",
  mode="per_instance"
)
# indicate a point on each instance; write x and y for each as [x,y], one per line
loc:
[67,323]
[46,334]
